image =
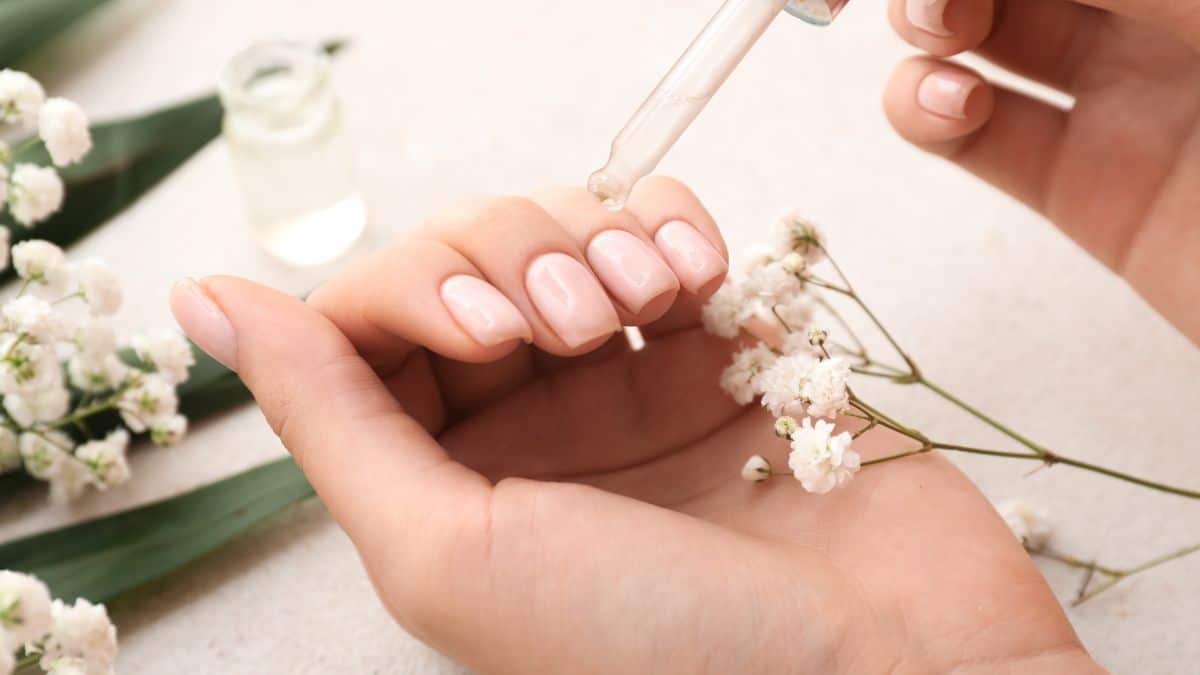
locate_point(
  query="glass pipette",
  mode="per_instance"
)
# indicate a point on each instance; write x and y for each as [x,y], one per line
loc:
[688,87]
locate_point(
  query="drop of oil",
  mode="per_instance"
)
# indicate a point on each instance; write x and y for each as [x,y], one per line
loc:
[611,192]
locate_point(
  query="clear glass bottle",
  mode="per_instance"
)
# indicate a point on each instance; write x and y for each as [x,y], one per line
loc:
[285,131]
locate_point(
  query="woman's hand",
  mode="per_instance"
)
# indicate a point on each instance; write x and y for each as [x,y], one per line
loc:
[569,505]
[1119,172]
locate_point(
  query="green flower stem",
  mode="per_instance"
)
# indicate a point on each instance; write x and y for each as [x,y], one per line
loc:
[1115,575]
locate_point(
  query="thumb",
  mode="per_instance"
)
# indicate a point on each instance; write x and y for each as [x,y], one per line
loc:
[386,481]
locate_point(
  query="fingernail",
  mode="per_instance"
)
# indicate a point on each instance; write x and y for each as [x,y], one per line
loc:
[631,270]
[570,299]
[929,16]
[945,93]
[204,322]
[695,260]
[483,312]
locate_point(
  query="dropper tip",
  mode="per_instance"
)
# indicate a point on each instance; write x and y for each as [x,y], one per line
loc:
[611,192]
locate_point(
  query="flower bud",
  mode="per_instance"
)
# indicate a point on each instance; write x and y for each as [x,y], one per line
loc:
[795,263]
[785,427]
[817,337]
[757,469]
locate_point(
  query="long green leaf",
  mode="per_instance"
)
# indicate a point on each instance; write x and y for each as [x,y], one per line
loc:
[100,559]
[26,24]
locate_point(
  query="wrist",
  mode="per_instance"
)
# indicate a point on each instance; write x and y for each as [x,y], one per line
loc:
[1069,661]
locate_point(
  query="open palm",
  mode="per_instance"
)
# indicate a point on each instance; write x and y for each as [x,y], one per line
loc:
[569,508]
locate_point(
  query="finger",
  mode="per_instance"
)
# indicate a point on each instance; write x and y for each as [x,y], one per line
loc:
[1003,137]
[390,486]
[1177,17]
[689,240]
[526,254]
[618,249]
[1044,40]
[943,27]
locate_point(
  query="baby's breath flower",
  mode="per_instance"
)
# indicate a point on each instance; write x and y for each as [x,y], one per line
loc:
[756,469]
[796,312]
[96,373]
[46,405]
[817,337]
[168,352]
[796,234]
[21,98]
[27,368]
[70,480]
[782,384]
[40,261]
[36,193]
[4,192]
[169,431]
[769,286]
[107,458]
[96,338]
[10,454]
[1029,523]
[25,613]
[63,127]
[740,378]
[149,403]
[35,319]
[722,314]
[100,287]
[795,263]
[82,632]
[44,452]
[786,426]
[825,389]
[820,460]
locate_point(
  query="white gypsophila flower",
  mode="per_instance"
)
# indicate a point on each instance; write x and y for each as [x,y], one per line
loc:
[21,98]
[797,343]
[753,258]
[817,337]
[740,378]
[794,262]
[40,261]
[100,287]
[796,312]
[63,127]
[10,454]
[722,312]
[95,337]
[1029,523]
[756,469]
[107,458]
[150,402]
[769,286]
[27,368]
[5,234]
[826,389]
[786,426]
[820,460]
[44,452]
[794,233]
[169,431]
[96,373]
[70,480]
[35,319]
[168,352]
[84,632]
[25,613]
[35,193]
[72,666]
[46,405]
[782,384]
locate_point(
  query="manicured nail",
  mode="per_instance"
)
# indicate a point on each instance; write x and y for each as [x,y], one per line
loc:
[945,93]
[484,312]
[204,322]
[695,260]
[929,16]
[570,299]
[630,268]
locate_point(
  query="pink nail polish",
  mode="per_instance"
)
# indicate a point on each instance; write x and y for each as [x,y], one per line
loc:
[483,312]
[929,16]
[570,299]
[204,322]
[695,260]
[630,269]
[945,93]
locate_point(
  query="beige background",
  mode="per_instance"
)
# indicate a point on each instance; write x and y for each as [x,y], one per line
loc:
[450,99]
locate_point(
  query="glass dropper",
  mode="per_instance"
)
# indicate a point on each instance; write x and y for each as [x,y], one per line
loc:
[688,87]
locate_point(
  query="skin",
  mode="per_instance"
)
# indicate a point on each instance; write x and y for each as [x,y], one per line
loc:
[537,508]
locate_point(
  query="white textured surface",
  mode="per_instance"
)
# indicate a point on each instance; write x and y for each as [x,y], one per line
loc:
[448,100]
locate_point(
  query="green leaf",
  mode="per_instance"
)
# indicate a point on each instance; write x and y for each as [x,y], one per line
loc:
[26,24]
[100,559]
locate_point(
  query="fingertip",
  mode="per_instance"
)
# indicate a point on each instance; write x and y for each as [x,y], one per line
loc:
[943,27]
[936,105]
